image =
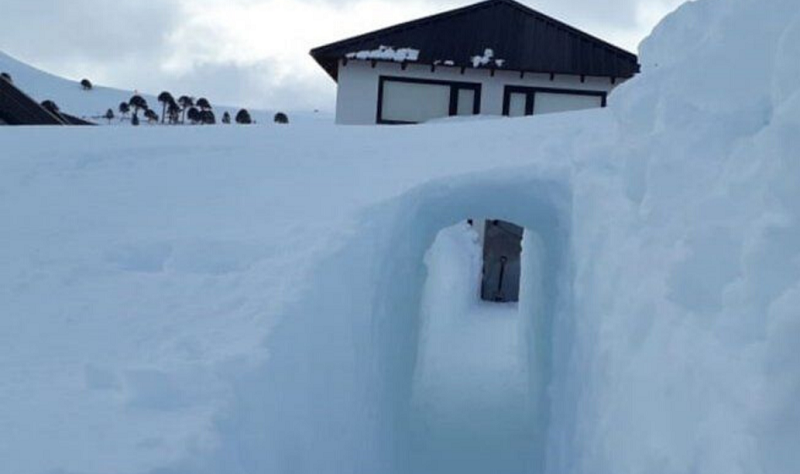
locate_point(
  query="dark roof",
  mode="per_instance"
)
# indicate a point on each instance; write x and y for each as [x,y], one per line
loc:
[525,39]
[17,108]
[73,120]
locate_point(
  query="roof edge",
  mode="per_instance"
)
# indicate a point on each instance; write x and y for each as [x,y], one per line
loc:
[315,52]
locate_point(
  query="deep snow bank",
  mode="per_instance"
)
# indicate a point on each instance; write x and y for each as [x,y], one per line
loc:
[234,300]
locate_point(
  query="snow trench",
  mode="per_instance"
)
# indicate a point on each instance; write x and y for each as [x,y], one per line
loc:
[336,393]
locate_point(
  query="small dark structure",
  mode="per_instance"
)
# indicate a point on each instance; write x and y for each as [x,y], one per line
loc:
[17,108]
[502,250]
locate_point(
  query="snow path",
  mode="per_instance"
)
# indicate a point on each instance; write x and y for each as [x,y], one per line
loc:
[470,388]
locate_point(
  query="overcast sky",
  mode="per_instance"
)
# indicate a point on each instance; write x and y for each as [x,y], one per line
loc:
[246,52]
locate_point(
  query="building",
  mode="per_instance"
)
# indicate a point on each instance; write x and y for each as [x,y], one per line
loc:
[497,57]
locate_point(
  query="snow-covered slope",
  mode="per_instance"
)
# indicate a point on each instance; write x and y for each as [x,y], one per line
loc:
[245,300]
[70,96]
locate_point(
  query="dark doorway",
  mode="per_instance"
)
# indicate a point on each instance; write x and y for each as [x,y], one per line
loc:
[502,248]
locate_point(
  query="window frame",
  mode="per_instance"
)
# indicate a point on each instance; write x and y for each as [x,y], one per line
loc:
[455,87]
[530,96]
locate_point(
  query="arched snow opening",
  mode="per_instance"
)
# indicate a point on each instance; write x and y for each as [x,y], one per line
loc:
[399,331]
[469,409]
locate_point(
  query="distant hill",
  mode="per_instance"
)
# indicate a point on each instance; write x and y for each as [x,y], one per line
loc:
[71,98]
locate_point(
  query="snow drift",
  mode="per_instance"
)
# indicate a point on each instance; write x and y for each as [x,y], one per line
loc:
[257,301]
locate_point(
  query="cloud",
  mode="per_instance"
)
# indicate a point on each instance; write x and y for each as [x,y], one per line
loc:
[248,52]
[87,29]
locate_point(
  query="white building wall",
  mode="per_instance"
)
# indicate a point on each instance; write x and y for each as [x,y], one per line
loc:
[357,94]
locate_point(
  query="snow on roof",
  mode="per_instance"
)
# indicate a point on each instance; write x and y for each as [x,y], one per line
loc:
[387,53]
[529,41]
[486,59]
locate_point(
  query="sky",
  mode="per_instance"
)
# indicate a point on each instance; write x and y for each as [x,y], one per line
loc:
[251,53]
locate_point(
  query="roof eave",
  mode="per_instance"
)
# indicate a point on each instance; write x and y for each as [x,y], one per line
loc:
[331,66]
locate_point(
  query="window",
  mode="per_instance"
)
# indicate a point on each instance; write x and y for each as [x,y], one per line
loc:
[548,103]
[520,101]
[413,102]
[518,104]
[404,100]
[466,102]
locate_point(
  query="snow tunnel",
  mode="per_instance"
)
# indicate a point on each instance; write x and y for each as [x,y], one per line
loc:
[388,364]
[463,382]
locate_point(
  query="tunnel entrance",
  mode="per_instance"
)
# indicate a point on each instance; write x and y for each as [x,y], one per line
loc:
[462,384]
[470,411]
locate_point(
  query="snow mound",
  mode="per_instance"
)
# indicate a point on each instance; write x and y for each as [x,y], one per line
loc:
[282,300]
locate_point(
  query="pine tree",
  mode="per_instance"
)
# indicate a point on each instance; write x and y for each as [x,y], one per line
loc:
[124,109]
[138,103]
[166,100]
[51,107]
[243,117]
[281,118]
[207,117]
[186,103]
[174,112]
[151,116]
[203,104]
[193,114]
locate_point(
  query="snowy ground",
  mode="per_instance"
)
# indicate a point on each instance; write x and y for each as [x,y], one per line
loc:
[256,299]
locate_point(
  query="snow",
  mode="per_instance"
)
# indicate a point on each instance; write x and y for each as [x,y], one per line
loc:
[92,105]
[297,299]
[386,53]
[486,58]
[469,361]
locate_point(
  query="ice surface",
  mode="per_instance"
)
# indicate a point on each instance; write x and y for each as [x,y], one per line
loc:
[251,300]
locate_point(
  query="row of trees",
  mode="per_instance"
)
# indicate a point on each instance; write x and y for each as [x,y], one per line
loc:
[173,111]
[178,111]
